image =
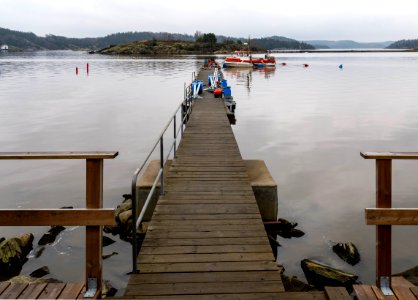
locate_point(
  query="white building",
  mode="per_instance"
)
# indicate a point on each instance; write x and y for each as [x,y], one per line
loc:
[4,48]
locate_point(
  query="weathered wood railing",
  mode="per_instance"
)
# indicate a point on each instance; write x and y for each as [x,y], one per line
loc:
[384,216]
[93,216]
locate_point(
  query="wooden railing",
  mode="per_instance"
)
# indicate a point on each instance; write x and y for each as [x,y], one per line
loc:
[93,216]
[384,216]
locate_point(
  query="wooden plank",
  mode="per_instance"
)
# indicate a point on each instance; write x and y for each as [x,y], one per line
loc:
[207,209]
[63,217]
[199,227]
[3,286]
[414,290]
[208,267]
[401,288]
[33,291]
[263,248]
[71,291]
[59,155]
[203,288]
[204,257]
[364,292]
[13,290]
[204,235]
[336,293]
[205,277]
[389,155]
[170,222]
[392,216]
[383,232]
[52,291]
[158,216]
[94,199]
[241,296]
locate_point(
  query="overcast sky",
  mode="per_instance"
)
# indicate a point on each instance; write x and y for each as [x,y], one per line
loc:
[359,20]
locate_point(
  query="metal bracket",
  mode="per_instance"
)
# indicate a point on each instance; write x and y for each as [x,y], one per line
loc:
[385,286]
[91,288]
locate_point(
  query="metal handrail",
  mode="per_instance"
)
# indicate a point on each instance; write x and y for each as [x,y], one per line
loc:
[136,222]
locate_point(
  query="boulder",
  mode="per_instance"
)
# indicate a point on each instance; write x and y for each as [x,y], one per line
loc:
[283,228]
[347,252]
[410,274]
[41,272]
[106,256]
[108,290]
[320,275]
[107,241]
[293,284]
[13,254]
[51,235]
[24,279]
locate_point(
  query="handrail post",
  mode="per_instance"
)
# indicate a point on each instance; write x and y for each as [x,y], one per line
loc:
[134,218]
[175,134]
[162,165]
[94,199]
[383,232]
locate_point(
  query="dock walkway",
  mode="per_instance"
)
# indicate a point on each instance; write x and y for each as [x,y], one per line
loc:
[206,236]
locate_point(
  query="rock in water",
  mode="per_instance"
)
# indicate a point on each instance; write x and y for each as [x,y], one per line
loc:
[13,254]
[410,274]
[321,275]
[41,272]
[51,235]
[293,284]
[347,252]
[107,241]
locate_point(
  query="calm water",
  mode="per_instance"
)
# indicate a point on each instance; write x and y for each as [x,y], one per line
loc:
[308,124]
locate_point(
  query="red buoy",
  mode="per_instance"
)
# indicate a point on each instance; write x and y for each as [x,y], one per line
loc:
[283,63]
[87,68]
[76,70]
[305,65]
[217,93]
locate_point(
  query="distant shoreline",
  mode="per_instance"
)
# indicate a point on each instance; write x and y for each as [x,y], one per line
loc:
[343,50]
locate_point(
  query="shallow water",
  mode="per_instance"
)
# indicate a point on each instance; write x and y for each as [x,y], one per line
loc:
[308,124]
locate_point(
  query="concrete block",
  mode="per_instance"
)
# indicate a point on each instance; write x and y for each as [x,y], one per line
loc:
[264,188]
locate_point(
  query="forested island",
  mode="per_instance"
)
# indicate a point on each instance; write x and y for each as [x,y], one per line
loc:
[159,43]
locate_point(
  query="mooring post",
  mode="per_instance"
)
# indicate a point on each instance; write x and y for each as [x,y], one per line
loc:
[94,199]
[383,232]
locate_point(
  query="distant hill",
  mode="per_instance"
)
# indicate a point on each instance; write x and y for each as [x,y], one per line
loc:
[30,41]
[404,44]
[347,44]
[280,42]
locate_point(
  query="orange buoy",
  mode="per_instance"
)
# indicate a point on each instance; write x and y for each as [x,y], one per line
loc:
[305,65]
[283,63]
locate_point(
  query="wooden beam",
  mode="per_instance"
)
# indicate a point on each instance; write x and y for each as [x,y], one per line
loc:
[391,216]
[59,155]
[94,199]
[63,217]
[389,155]
[383,232]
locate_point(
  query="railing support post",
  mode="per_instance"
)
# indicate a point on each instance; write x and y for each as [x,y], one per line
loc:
[175,134]
[94,199]
[162,165]
[383,232]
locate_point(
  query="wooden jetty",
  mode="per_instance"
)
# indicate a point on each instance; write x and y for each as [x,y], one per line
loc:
[206,238]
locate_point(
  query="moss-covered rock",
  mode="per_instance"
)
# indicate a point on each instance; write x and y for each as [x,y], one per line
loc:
[13,254]
[347,252]
[321,275]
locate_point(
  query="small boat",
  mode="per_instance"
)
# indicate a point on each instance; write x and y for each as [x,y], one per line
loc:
[244,59]
[240,58]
